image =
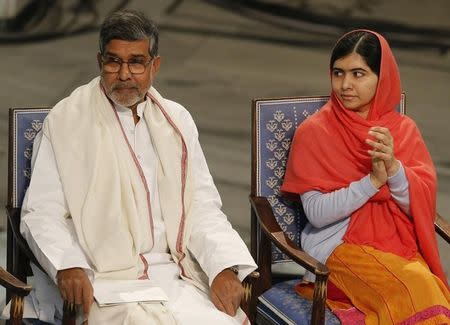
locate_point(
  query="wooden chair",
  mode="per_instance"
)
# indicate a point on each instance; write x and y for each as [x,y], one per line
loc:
[276,223]
[24,124]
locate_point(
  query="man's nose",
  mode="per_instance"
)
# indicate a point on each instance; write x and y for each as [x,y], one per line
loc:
[124,71]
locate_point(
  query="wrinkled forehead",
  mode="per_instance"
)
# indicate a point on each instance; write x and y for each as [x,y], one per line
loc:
[125,49]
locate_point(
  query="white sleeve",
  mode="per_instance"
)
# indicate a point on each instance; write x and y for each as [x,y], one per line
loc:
[45,220]
[213,242]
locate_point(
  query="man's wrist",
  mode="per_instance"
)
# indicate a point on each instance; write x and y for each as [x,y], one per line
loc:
[234,269]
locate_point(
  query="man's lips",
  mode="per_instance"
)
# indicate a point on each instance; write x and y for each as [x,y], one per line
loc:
[124,85]
[124,88]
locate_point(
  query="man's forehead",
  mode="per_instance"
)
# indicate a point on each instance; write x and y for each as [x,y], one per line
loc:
[125,48]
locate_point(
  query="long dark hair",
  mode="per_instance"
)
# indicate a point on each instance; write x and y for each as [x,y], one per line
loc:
[364,43]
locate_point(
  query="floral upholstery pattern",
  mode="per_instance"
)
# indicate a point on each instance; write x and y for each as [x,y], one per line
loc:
[26,123]
[282,305]
[276,122]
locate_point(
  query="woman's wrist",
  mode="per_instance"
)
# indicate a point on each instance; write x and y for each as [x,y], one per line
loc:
[393,169]
[375,182]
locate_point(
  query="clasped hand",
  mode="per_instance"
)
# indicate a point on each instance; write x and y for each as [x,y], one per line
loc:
[384,163]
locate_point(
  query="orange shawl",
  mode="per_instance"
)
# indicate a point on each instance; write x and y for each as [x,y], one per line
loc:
[328,152]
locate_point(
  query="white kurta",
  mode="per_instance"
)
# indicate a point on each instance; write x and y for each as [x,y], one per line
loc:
[53,240]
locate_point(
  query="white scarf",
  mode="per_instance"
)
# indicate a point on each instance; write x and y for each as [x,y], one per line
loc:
[105,188]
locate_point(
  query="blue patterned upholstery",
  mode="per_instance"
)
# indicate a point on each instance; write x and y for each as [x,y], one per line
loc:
[26,123]
[282,305]
[276,122]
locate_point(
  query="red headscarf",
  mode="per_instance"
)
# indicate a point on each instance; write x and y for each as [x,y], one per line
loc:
[329,152]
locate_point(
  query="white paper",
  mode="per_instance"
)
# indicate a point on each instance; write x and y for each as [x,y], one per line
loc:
[108,292]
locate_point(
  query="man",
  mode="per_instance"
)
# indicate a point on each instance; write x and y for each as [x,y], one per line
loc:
[121,190]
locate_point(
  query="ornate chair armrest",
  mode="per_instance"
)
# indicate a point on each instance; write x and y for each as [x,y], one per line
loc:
[249,283]
[272,230]
[10,282]
[20,290]
[442,227]
[271,227]
[69,310]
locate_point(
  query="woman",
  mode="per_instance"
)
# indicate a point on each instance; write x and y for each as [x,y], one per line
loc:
[368,188]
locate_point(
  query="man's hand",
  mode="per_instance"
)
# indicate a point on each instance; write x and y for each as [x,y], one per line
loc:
[76,288]
[226,292]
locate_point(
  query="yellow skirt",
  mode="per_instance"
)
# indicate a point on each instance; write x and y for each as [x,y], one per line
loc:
[386,288]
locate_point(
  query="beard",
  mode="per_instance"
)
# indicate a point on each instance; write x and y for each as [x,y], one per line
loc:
[124,94]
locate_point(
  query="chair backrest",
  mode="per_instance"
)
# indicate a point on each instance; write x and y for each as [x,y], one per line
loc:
[24,124]
[274,122]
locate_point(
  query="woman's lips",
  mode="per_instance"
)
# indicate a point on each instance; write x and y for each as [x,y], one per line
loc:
[347,97]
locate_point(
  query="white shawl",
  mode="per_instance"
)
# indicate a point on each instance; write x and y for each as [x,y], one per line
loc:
[105,188]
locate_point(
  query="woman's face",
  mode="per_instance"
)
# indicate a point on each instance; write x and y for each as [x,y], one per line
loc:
[354,83]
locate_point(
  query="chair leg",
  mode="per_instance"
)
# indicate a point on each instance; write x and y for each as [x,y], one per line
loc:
[320,295]
[253,236]
[248,304]
[9,256]
[16,311]
[264,262]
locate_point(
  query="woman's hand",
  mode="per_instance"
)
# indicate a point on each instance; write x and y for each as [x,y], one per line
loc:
[383,149]
[378,175]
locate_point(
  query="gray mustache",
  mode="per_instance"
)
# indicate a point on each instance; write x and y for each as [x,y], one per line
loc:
[122,86]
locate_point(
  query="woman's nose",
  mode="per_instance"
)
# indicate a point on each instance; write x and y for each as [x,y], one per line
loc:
[346,82]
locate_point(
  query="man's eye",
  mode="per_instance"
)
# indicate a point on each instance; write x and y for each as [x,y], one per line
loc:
[113,60]
[136,62]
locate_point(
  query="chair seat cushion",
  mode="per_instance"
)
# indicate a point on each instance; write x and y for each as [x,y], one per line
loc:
[282,305]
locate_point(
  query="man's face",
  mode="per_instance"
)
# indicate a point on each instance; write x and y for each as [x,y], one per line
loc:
[124,87]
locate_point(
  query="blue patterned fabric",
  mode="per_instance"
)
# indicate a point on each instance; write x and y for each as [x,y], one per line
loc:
[276,122]
[282,305]
[26,124]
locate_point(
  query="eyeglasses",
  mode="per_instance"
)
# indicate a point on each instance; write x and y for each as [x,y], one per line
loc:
[136,66]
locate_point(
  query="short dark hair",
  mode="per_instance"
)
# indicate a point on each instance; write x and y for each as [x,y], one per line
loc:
[364,43]
[129,25]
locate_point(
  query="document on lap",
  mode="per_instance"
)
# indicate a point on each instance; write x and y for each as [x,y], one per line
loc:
[112,292]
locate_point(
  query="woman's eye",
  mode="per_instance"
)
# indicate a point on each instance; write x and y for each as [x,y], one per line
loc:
[337,73]
[358,74]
